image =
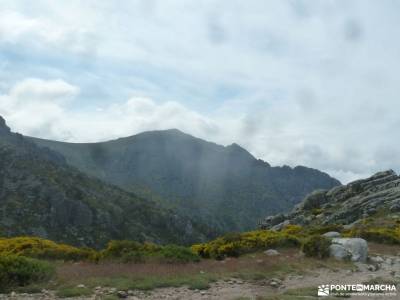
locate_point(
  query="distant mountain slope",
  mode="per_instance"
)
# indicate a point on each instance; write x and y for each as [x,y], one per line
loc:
[41,195]
[225,186]
[375,200]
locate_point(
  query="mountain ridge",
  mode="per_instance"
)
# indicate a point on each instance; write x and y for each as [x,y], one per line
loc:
[224,186]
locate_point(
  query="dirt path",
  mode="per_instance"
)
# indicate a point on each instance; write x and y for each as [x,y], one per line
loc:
[240,290]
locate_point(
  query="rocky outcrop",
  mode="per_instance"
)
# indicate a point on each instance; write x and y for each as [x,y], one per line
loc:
[355,249]
[346,205]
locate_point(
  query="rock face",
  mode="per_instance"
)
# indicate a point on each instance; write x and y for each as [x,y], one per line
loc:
[355,249]
[348,204]
[41,195]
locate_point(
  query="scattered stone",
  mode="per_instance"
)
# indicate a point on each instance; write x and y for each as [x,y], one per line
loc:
[376,259]
[332,234]
[271,252]
[122,294]
[371,268]
[81,286]
[275,282]
[389,261]
[13,294]
[239,281]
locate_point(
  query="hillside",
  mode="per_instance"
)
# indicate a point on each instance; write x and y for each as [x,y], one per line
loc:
[224,186]
[41,195]
[367,203]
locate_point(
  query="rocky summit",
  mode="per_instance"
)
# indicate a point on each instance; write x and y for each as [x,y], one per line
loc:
[377,197]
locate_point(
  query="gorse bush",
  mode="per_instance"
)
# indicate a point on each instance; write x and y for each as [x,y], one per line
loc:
[380,235]
[18,271]
[238,244]
[130,251]
[44,249]
[316,246]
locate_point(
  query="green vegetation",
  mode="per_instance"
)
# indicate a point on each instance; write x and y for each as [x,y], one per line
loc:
[147,282]
[130,251]
[236,244]
[316,246]
[16,271]
[45,249]
[385,235]
[236,189]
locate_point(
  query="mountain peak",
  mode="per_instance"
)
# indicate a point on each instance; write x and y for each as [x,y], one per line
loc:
[3,126]
[237,150]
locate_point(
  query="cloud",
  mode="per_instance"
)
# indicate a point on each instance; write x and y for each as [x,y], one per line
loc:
[295,82]
[34,105]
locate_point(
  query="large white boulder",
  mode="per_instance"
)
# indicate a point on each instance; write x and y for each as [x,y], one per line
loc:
[354,248]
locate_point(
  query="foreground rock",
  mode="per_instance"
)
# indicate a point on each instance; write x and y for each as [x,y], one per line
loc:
[355,249]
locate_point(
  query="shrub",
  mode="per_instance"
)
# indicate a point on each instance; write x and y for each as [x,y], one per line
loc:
[134,256]
[117,249]
[316,246]
[130,251]
[318,230]
[317,211]
[18,271]
[380,235]
[293,230]
[178,254]
[248,242]
[44,249]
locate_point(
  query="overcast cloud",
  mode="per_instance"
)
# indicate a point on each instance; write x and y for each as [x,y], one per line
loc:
[310,83]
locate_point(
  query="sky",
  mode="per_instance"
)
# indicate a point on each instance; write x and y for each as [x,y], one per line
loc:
[311,83]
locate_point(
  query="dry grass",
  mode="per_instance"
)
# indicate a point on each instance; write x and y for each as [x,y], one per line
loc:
[257,262]
[383,249]
[249,267]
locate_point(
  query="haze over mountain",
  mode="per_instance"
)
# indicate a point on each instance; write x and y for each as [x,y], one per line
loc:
[226,187]
[41,195]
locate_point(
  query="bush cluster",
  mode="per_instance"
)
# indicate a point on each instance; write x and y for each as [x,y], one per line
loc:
[44,249]
[316,246]
[17,271]
[130,251]
[383,235]
[235,244]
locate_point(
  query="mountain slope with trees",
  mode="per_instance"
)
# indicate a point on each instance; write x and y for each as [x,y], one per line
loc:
[41,195]
[225,187]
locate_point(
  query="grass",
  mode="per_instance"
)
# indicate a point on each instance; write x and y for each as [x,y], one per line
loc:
[199,276]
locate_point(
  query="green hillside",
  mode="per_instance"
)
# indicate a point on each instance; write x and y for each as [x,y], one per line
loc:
[225,187]
[41,195]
